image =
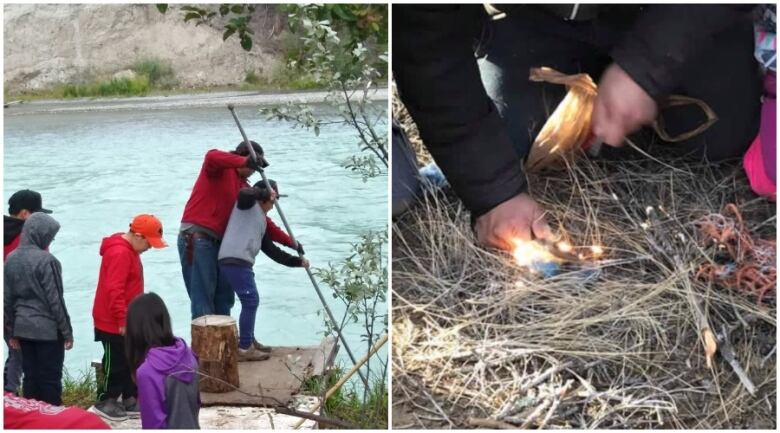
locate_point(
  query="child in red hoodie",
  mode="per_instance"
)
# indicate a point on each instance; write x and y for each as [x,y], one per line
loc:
[121,280]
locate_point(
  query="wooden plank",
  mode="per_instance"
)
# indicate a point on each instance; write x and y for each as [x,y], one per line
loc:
[273,382]
[325,357]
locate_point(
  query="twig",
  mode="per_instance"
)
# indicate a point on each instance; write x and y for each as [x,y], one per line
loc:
[544,376]
[768,356]
[535,414]
[558,397]
[490,423]
[727,352]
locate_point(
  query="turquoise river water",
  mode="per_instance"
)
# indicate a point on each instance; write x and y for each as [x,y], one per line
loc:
[96,170]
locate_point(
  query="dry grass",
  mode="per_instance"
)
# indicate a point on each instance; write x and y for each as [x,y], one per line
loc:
[480,342]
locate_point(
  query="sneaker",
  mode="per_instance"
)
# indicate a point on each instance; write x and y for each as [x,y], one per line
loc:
[131,407]
[251,354]
[110,409]
[261,347]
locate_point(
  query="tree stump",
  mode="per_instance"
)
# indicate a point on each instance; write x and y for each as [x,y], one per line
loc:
[215,341]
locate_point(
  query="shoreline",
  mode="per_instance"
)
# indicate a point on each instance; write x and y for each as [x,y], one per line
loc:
[180,101]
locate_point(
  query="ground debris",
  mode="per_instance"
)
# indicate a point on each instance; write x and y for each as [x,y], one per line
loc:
[480,342]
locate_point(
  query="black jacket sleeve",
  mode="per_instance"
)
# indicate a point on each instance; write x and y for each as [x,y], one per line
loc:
[276,254]
[438,81]
[666,38]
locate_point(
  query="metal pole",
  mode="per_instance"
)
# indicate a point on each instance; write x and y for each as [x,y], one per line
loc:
[287,226]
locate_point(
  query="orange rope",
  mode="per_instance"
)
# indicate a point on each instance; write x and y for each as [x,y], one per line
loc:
[753,266]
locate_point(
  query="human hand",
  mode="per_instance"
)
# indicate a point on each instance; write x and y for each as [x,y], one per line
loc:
[69,344]
[621,107]
[258,165]
[304,263]
[519,217]
[14,343]
[121,330]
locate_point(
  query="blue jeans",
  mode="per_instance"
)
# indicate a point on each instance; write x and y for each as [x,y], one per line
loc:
[208,290]
[242,279]
[12,374]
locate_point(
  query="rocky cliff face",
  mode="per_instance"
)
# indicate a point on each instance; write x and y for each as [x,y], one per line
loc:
[63,43]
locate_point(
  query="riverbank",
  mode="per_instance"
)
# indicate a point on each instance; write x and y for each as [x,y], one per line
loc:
[198,100]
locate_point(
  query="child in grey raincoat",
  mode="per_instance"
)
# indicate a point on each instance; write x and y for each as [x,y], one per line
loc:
[34,310]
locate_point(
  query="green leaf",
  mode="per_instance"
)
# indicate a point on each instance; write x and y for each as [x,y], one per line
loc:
[228,33]
[246,42]
[339,11]
[237,9]
[238,22]
[191,16]
[224,10]
[162,7]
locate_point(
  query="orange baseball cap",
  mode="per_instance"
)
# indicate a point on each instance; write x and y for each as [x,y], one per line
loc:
[149,227]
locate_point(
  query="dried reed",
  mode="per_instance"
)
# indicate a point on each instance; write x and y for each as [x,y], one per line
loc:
[481,342]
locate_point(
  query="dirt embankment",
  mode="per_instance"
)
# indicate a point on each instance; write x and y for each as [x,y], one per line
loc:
[50,44]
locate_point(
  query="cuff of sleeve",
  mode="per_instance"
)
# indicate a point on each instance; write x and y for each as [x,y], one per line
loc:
[483,167]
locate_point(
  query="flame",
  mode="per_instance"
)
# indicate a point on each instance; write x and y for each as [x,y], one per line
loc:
[564,246]
[528,252]
[596,250]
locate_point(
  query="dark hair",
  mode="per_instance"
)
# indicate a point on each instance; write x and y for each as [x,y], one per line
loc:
[261,184]
[243,150]
[148,326]
[247,197]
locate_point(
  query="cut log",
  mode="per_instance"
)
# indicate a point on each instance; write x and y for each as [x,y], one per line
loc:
[215,341]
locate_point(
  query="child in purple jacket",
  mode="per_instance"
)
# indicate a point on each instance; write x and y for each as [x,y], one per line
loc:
[164,368]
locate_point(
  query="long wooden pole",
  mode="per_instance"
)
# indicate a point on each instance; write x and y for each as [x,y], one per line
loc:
[289,231]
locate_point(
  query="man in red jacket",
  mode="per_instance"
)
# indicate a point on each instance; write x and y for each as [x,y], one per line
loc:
[121,280]
[203,224]
[21,205]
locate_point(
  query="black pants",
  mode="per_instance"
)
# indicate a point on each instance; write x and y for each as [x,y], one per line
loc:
[42,366]
[116,380]
[725,76]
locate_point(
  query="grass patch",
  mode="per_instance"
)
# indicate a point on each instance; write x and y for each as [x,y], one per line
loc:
[150,75]
[252,78]
[281,77]
[347,403]
[160,75]
[116,87]
[80,389]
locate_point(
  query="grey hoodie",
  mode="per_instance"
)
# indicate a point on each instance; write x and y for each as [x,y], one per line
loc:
[246,235]
[34,307]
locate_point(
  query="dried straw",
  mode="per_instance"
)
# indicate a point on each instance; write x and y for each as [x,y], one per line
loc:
[479,341]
